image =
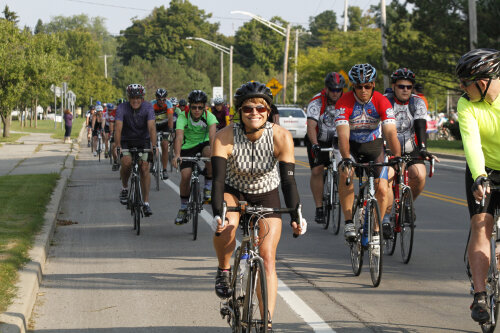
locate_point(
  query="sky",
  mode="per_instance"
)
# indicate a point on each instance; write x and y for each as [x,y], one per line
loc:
[118,13]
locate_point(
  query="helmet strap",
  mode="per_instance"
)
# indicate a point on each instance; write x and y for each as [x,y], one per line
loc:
[483,93]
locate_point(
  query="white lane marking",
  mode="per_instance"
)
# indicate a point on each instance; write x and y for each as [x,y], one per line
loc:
[300,307]
[439,165]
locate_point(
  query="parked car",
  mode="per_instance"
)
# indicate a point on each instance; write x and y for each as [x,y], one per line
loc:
[294,119]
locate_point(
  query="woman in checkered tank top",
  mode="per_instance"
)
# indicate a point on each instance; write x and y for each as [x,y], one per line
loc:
[245,159]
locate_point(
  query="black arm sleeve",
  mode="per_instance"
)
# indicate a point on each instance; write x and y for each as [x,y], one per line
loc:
[218,177]
[420,130]
[289,187]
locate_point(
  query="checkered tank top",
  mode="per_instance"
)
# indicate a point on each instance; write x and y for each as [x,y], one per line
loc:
[252,166]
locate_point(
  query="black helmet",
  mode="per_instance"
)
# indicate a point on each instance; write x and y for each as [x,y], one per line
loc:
[479,64]
[182,102]
[197,96]
[362,73]
[92,107]
[161,93]
[120,101]
[251,90]
[419,88]
[135,90]
[334,80]
[403,74]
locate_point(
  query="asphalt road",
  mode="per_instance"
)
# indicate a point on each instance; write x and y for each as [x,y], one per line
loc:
[101,277]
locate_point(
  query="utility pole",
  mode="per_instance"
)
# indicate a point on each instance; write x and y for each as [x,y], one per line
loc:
[384,43]
[105,64]
[222,70]
[285,63]
[230,76]
[295,71]
[472,24]
[345,15]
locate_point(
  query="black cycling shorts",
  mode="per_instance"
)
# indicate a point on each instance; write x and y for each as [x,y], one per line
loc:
[106,129]
[491,202]
[269,199]
[368,151]
[191,152]
[324,156]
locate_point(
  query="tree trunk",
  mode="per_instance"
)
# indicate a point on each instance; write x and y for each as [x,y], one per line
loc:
[6,125]
[36,112]
[31,113]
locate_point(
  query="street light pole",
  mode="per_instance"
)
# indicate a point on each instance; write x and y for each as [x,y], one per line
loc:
[384,43]
[285,32]
[223,49]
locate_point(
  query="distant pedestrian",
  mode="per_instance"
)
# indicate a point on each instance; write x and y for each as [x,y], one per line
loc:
[68,122]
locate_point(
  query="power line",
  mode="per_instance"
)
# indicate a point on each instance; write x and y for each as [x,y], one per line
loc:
[106,5]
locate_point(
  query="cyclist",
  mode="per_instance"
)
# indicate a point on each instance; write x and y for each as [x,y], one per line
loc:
[165,123]
[236,179]
[88,123]
[360,114]
[479,119]
[194,133]
[221,112]
[110,112]
[110,120]
[411,114]
[135,128]
[97,125]
[321,133]
[183,105]
[418,90]
[177,110]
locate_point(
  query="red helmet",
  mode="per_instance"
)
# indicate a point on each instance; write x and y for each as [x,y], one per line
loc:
[334,80]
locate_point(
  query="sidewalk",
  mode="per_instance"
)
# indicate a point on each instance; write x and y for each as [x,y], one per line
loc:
[35,153]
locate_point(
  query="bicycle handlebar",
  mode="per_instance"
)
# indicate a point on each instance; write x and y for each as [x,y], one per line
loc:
[244,208]
[369,165]
[487,183]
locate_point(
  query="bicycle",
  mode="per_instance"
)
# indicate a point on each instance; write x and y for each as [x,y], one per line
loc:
[366,216]
[402,220]
[493,279]
[157,170]
[171,139]
[134,201]
[246,310]
[331,199]
[195,204]
[99,144]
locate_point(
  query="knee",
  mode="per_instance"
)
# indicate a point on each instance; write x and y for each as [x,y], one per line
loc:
[317,171]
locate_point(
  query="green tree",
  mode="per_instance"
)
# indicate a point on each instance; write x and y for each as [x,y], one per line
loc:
[12,65]
[323,23]
[10,15]
[39,27]
[256,43]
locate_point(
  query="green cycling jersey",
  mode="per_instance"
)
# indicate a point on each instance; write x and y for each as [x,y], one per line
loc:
[480,129]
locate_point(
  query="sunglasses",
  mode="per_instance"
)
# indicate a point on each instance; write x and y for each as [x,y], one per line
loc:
[365,87]
[337,90]
[467,83]
[249,109]
[405,86]
[197,107]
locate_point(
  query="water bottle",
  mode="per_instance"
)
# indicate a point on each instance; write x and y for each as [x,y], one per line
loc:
[243,268]
[364,218]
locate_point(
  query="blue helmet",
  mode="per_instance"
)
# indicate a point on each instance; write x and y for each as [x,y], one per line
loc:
[362,73]
[98,103]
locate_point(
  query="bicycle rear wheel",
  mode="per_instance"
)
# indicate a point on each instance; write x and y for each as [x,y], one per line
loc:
[138,205]
[335,211]
[390,244]
[375,250]
[356,250]
[407,225]
[196,201]
[327,204]
[255,311]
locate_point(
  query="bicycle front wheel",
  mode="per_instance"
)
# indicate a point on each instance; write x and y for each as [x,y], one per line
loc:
[327,191]
[237,298]
[196,204]
[375,249]
[335,211]
[170,156]
[157,165]
[255,311]
[390,243]
[356,249]
[407,218]
[99,149]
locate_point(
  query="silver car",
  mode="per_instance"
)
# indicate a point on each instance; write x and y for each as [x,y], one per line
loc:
[294,119]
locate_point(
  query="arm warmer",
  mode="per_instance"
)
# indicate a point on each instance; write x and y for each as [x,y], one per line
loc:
[289,187]
[218,177]
[420,131]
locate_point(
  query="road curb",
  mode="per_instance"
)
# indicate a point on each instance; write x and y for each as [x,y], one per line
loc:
[15,318]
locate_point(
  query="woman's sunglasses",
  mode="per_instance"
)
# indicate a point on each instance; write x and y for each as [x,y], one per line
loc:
[249,109]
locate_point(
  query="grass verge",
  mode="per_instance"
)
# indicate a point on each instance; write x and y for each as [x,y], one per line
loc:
[47,126]
[447,147]
[24,199]
[12,138]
